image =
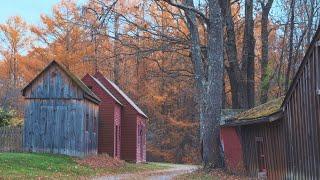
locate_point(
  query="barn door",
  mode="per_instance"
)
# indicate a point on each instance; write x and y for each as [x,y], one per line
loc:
[262,173]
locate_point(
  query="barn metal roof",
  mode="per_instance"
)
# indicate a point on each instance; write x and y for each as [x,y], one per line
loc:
[76,80]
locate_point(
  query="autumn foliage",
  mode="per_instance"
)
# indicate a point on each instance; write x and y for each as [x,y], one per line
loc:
[144,47]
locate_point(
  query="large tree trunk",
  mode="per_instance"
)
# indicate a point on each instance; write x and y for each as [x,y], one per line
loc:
[265,72]
[209,82]
[215,81]
[238,81]
[248,52]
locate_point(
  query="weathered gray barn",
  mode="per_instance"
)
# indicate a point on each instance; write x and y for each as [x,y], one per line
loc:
[61,114]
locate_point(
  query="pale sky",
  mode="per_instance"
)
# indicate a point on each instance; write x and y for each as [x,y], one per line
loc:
[29,10]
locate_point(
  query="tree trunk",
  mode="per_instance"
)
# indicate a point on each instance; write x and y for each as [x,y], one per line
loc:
[292,8]
[238,81]
[215,81]
[209,82]
[248,52]
[265,72]
[117,59]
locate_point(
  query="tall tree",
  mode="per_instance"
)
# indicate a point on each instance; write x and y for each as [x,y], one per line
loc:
[208,76]
[265,72]
[241,77]
[14,42]
[290,59]
[248,52]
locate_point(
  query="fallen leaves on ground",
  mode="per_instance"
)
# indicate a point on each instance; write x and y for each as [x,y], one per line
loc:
[101,161]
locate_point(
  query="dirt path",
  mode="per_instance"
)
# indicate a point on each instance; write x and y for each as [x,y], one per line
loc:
[166,174]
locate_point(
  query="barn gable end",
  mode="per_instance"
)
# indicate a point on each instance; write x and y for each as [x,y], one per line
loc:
[61,114]
[55,81]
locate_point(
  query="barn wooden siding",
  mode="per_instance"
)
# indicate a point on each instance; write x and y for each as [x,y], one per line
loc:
[274,145]
[302,109]
[11,139]
[58,119]
[129,124]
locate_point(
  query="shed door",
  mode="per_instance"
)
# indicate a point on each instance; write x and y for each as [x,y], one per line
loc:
[53,120]
[261,158]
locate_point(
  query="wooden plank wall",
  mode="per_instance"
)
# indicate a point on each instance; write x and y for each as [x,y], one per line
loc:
[57,117]
[128,124]
[54,126]
[273,135]
[54,84]
[11,139]
[303,112]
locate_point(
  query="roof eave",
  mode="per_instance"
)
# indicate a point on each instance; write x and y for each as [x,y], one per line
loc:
[264,119]
[90,98]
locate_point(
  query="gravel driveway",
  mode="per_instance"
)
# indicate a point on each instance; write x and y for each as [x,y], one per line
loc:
[170,173]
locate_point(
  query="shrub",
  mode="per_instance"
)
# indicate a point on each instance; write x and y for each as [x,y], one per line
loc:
[6,116]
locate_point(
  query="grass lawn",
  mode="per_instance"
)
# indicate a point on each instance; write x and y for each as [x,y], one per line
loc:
[33,165]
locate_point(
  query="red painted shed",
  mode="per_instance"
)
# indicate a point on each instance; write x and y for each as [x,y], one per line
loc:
[109,118]
[133,124]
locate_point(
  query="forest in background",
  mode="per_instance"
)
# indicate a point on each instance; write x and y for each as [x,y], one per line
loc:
[144,47]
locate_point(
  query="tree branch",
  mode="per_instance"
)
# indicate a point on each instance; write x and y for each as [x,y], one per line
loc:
[187,8]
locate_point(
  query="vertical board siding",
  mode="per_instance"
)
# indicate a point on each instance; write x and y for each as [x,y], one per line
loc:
[54,84]
[107,117]
[129,115]
[273,135]
[292,144]
[11,139]
[302,112]
[57,116]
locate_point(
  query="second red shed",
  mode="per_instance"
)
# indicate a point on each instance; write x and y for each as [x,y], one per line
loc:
[133,124]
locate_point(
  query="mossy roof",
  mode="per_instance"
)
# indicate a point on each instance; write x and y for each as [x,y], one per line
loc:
[262,110]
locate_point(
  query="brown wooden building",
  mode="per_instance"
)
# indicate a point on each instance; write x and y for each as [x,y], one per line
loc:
[109,117]
[61,114]
[133,124]
[281,139]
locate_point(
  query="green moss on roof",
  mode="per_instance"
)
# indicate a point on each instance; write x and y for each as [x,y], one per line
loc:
[261,110]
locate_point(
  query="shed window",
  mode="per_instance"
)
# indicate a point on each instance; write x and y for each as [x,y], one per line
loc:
[261,156]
